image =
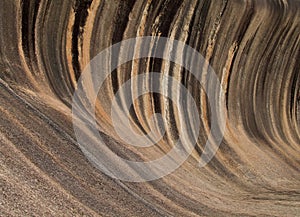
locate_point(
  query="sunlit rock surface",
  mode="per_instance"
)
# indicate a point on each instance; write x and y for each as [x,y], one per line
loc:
[254,48]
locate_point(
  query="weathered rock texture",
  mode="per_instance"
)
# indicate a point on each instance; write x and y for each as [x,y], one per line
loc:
[253,46]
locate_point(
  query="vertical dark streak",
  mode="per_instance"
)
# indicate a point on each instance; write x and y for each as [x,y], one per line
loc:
[81,13]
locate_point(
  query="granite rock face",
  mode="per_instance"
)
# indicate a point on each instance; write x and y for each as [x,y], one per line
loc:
[253,47]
